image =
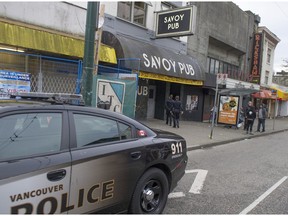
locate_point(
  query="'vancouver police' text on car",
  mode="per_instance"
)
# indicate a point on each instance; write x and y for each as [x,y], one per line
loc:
[60,158]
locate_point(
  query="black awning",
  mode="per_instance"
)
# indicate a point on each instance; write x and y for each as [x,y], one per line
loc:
[153,58]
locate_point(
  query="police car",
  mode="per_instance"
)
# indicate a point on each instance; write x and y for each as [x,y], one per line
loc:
[60,158]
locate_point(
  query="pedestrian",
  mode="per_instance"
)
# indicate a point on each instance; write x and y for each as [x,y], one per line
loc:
[169,107]
[250,115]
[214,111]
[241,119]
[262,114]
[177,110]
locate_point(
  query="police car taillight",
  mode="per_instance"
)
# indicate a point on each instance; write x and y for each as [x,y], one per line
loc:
[141,133]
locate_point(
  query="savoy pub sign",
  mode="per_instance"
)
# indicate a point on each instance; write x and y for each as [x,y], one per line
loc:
[177,22]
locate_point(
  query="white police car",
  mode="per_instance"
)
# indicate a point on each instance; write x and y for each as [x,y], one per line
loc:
[58,158]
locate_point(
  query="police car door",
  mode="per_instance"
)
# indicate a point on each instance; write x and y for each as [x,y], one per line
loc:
[106,163]
[34,162]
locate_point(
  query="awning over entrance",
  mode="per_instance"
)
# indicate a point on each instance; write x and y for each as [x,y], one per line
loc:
[29,38]
[153,59]
[264,94]
[282,93]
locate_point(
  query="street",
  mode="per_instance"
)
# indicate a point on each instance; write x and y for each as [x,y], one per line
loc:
[245,177]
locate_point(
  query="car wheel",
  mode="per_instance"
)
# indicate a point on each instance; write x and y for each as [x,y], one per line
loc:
[151,193]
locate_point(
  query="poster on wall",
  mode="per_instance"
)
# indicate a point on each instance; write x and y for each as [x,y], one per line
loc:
[110,95]
[12,82]
[191,102]
[228,109]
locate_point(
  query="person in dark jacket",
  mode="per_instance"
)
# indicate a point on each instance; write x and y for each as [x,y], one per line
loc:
[250,115]
[177,110]
[262,114]
[169,108]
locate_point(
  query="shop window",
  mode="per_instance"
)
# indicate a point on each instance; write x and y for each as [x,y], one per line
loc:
[133,11]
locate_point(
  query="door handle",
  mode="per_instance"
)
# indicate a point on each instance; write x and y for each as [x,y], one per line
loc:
[136,155]
[56,175]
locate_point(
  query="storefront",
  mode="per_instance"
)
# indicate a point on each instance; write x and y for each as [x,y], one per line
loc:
[282,100]
[267,97]
[161,72]
[52,60]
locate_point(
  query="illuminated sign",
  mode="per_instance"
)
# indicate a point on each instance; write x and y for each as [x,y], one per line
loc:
[176,22]
[255,73]
[228,109]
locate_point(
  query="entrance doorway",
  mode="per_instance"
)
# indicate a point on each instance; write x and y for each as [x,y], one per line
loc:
[151,101]
[175,89]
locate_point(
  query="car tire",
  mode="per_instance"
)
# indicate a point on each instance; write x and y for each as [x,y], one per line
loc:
[151,193]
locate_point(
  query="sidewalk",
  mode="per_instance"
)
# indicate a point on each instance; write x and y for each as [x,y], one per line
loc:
[197,134]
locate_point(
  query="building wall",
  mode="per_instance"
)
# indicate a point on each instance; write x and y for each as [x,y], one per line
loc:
[266,66]
[57,16]
[222,32]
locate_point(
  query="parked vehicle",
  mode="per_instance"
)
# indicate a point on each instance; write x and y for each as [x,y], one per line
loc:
[61,158]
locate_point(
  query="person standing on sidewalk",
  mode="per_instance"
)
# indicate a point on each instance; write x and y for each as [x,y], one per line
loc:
[262,114]
[250,115]
[169,107]
[177,110]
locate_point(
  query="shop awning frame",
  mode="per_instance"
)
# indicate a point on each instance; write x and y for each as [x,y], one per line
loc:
[264,94]
[154,59]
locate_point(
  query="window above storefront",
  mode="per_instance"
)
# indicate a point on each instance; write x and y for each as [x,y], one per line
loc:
[134,12]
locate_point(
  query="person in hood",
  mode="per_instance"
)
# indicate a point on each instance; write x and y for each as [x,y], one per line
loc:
[250,114]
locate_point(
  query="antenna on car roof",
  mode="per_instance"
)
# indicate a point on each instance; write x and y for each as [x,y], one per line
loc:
[53,98]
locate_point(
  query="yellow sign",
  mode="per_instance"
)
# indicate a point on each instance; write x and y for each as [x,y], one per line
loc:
[161,77]
[20,36]
[281,94]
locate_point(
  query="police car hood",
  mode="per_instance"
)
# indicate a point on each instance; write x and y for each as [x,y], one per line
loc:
[166,134]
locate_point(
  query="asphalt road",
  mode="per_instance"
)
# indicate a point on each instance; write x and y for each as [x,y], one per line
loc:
[245,177]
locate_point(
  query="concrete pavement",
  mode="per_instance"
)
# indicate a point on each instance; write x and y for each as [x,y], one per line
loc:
[197,134]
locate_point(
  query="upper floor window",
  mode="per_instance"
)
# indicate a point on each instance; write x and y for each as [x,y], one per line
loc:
[167,6]
[215,66]
[269,56]
[133,11]
[266,77]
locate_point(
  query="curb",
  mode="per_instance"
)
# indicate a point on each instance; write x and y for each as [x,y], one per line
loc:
[209,145]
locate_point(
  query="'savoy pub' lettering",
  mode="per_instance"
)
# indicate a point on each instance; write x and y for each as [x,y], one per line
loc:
[173,21]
